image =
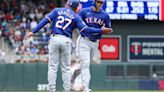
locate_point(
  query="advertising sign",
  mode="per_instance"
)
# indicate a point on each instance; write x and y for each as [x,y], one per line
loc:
[110,48]
[146,48]
[162,10]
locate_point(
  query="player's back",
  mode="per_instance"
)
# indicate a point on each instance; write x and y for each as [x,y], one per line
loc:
[64,22]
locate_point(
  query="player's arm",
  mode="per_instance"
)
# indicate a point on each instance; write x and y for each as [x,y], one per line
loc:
[84,28]
[43,22]
[80,24]
[108,23]
[47,19]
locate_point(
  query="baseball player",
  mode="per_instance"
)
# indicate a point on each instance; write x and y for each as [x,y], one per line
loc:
[63,21]
[86,44]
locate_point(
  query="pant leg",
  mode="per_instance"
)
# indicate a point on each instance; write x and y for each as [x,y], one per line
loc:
[66,64]
[95,54]
[53,64]
[84,54]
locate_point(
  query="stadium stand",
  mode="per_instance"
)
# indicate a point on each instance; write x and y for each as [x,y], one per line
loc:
[18,17]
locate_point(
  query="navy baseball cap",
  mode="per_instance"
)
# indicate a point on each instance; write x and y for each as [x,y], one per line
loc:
[73,3]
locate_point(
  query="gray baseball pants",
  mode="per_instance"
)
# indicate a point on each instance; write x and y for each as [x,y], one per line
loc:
[59,54]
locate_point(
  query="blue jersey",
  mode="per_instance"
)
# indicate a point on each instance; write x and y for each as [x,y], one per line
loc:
[63,21]
[94,19]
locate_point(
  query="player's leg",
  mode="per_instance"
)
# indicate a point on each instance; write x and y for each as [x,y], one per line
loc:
[75,74]
[66,64]
[83,51]
[53,64]
[95,54]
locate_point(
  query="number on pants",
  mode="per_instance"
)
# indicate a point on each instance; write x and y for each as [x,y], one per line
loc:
[61,20]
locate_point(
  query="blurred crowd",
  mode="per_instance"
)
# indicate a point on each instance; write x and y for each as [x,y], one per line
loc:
[18,17]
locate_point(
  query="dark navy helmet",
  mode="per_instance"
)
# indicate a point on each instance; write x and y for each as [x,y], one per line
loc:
[73,3]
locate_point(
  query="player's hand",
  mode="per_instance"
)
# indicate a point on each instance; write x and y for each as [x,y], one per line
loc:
[28,35]
[106,30]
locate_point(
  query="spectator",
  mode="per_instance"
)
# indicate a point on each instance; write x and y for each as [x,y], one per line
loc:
[2,57]
[33,24]
[19,17]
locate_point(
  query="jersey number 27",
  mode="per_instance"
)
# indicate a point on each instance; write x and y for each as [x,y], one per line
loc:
[61,20]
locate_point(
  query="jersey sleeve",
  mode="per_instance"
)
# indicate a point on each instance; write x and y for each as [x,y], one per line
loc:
[107,21]
[52,15]
[41,24]
[80,24]
[45,20]
[80,13]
